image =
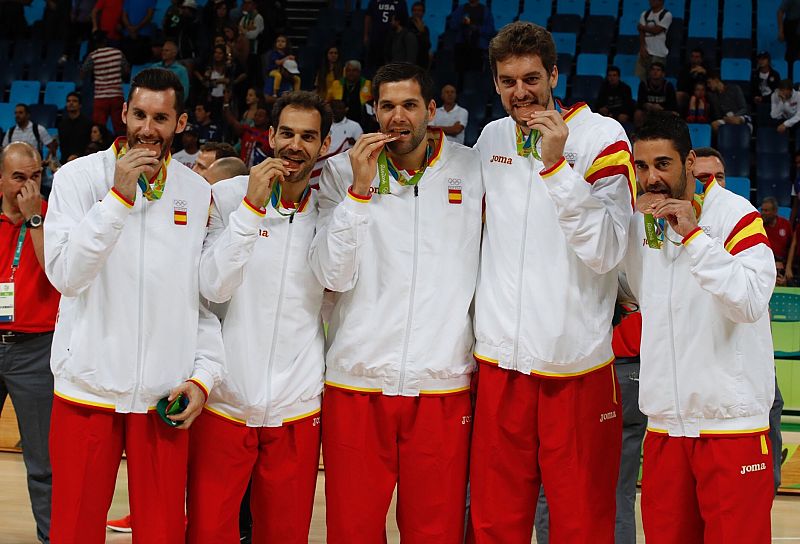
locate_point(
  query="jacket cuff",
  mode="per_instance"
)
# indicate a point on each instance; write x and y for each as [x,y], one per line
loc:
[249,216]
[260,211]
[356,203]
[691,236]
[357,197]
[116,205]
[202,379]
[557,167]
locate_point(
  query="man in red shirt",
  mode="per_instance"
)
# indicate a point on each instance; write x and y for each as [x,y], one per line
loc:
[779,230]
[28,306]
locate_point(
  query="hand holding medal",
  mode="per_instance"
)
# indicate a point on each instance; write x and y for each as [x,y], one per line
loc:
[133,164]
[262,176]
[553,131]
[364,159]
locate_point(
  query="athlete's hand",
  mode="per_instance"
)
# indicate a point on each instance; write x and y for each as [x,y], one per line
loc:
[679,214]
[262,176]
[646,201]
[197,400]
[554,134]
[364,159]
[29,199]
[128,169]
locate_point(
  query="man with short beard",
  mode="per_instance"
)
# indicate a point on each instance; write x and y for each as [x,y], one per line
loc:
[124,232]
[559,196]
[263,422]
[703,274]
[398,241]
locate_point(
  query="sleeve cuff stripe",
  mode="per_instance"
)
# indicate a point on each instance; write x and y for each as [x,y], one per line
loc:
[121,198]
[692,235]
[201,385]
[357,197]
[261,212]
[553,169]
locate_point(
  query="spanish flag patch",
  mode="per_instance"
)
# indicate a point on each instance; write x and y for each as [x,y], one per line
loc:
[454,190]
[180,216]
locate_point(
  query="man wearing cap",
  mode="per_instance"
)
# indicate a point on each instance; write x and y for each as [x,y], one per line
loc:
[283,79]
[765,79]
[188,155]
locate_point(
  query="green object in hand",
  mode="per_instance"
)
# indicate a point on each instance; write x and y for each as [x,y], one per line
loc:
[653,239]
[166,408]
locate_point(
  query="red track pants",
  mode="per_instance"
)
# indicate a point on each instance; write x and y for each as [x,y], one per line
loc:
[372,442]
[564,433]
[708,490]
[86,446]
[281,461]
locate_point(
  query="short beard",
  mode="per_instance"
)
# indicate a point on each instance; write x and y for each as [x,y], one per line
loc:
[419,134]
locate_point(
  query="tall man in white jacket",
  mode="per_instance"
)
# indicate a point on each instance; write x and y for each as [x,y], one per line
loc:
[558,203]
[398,239]
[123,238]
[707,375]
[263,421]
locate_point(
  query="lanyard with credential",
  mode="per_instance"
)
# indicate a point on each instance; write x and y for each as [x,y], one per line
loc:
[527,145]
[385,168]
[18,250]
[275,199]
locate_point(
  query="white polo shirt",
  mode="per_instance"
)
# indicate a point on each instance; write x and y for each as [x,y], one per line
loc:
[446,118]
[657,43]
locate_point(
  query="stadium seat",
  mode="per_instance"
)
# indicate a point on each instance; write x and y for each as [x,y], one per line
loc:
[564,64]
[629,21]
[740,186]
[700,134]
[703,19]
[591,64]
[774,178]
[565,23]
[56,92]
[736,23]
[625,63]
[628,45]
[136,68]
[6,116]
[565,42]
[570,7]
[604,7]
[537,11]
[44,114]
[738,48]
[504,12]
[598,35]
[735,69]
[734,138]
[736,163]
[24,92]
[781,66]
[585,88]
[785,211]
[34,11]
[633,82]
[561,87]
[26,52]
[769,140]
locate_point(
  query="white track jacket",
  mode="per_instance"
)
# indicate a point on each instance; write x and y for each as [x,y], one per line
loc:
[405,265]
[707,355]
[552,241]
[130,324]
[274,342]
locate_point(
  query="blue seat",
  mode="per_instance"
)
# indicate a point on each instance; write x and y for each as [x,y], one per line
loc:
[740,186]
[24,92]
[565,42]
[629,21]
[785,211]
[34,11]
[136,68]
[769,140]
[564,63]
[737,48]
[774,177]
[733,138]
[565,23]
[585,88]
[6,116]
[703,19]
[700,134]
[781,66]
[625,63]
[633,82]
[56,92]
[737,163]
[598,35]
[26,52]
[573,7]
[735,69]
[44,114]
[537,11]
[561,87]
[604,7]
[592,64]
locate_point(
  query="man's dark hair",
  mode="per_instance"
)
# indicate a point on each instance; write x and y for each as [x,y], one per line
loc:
[159,79]
[206,105]
[403,71]
[24,107]
[699,50]
[519,39]
[99,38]
[663,125]
[304,100]
[613,68]
[220,149]
[709,152]
[785,85]
[713,74]
[415,4]
[76,95]
[659,64]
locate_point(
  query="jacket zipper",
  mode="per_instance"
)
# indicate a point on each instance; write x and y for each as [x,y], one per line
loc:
[413,290]
[139,364]
[521,269]
[672,349]
[277,320]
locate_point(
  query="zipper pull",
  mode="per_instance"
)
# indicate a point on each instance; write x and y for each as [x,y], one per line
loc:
[416,190]
[291,219]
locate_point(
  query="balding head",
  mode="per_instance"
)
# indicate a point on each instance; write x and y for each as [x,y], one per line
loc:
[225,168]
[18,149]
[20,165]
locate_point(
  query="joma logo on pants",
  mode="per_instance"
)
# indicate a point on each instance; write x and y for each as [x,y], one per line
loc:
[753,468]
[607,416]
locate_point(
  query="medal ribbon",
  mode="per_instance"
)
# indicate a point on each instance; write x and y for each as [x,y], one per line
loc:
[526,145]
[275,199]
[386,168]
[655,230]
[153,188]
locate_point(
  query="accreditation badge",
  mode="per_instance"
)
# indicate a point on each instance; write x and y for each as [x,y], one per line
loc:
[6,302]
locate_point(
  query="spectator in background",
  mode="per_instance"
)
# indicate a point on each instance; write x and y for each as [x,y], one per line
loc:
[401,44]
[615,98]
[186,37]
[218,76]
[330,70]
[207,129]
[210,152]
[451,118]
[789,30]
[109,66]
[282,51]
[653,26]
[378,27]
[253,102]
[795,188]
[728,105]
[785,105]
[282,80]
[226,168]
[237,45]
[188,155]
[474,27]
[655,94]
[689,76]
[107,18]
[254,139]
[765,79]
[698,109]
[28,332]
[709,162]
[137,16]
[100,136]
[74,130]
[344,133]
[354,90]
[421,31]
[169,61]
[29,132]
[778,229]
[79,29]
[251,26]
